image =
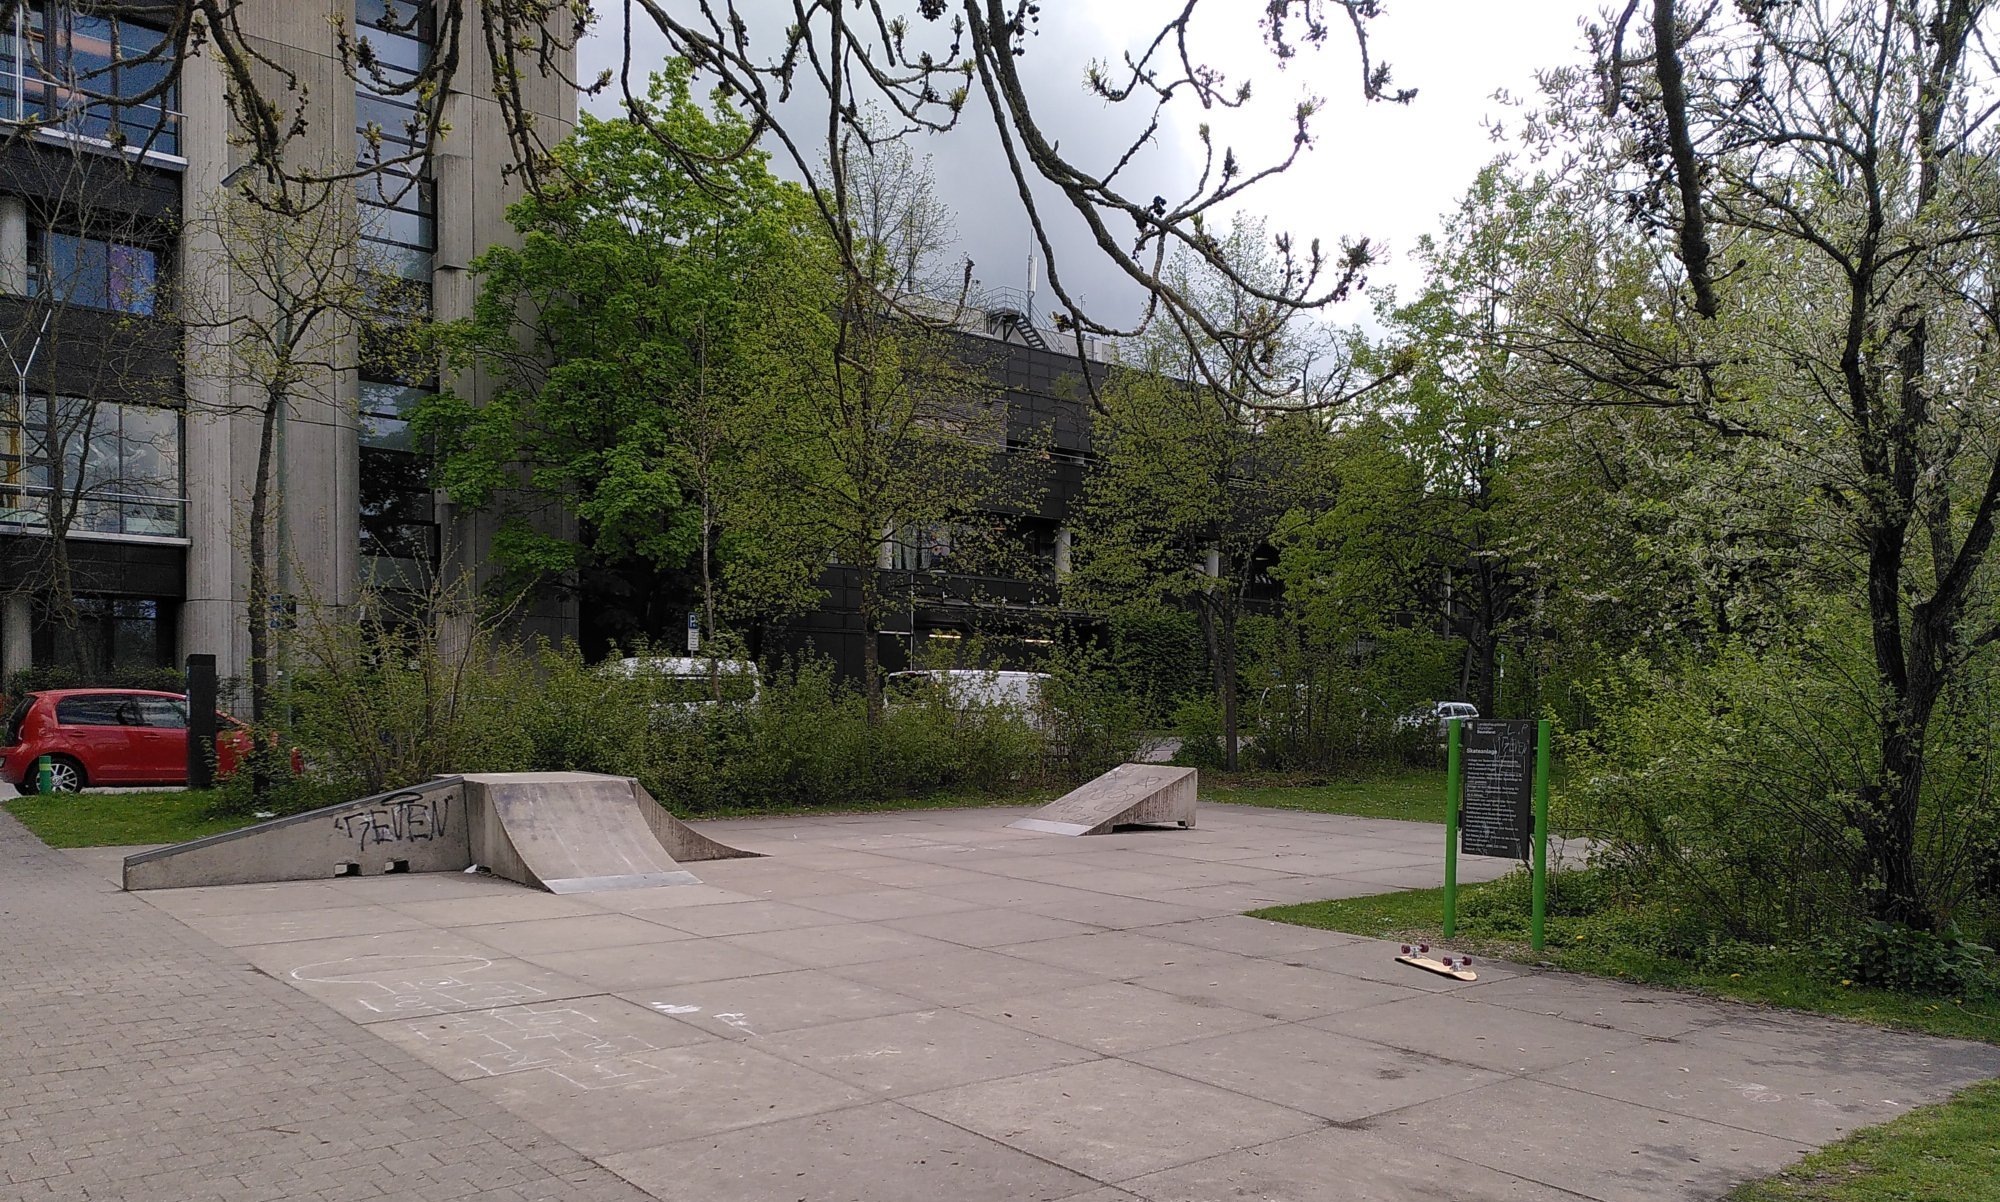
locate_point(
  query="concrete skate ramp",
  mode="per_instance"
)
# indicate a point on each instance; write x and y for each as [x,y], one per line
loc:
[1128,795]
[567,832]
[421,829]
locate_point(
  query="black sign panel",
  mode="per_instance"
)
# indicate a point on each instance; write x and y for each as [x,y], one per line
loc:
[1496,812]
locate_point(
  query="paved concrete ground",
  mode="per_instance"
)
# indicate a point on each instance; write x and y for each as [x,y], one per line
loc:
[899,1008]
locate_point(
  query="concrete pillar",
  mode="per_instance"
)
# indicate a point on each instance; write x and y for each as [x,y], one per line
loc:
[1212,564]
[17,628]
[13,246]
[1063,537]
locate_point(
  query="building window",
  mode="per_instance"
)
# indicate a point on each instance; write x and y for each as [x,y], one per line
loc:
[92,272]
[397,520]
[94,76]
[398,210]
[121,467]
[112,635]
[923,547]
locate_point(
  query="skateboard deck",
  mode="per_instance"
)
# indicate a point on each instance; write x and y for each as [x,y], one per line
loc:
[1420,957]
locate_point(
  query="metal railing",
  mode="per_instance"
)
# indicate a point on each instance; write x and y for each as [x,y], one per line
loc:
[24,508]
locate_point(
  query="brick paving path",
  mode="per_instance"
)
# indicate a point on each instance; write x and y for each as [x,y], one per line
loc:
[141,1061]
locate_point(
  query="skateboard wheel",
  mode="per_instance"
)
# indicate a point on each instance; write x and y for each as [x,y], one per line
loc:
[1424,948]
[1465,960]
[1406,949]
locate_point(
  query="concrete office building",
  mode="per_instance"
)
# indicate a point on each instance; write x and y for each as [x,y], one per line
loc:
[101,201]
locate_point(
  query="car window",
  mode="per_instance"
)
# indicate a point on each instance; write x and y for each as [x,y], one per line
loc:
[164,713]
[97,709]
[14,721]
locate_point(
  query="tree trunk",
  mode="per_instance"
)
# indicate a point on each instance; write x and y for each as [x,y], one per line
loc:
[871,655]
[1216,636]
[260,590]
[1226,683]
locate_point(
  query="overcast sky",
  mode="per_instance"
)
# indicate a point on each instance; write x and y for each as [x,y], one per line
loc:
[1380,171]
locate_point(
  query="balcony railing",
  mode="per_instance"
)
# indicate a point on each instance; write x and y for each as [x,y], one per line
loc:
[24,509]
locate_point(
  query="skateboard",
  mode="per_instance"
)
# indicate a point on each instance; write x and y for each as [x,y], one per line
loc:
[1420,957]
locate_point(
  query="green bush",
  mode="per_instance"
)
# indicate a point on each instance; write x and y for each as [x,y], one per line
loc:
[1736,784]
[1090,722]
[1898,957]
[1199,727]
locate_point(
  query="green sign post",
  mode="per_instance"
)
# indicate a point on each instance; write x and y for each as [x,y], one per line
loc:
[1497,804]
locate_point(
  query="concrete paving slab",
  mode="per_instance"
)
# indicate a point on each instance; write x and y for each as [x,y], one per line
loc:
[250,899]
[1116,1019]
[962,976]
[879,1153]
[765,886]
[1338,1165]
[744,918]
[674,962]
[1120,955]
[703,1089]
[991,928]
[518,904]
[1815,1083]
[1018,894]
[751,1007]
[885,904]
[410,978]
[243,930]
[1277,990]
[842,944]
[1454,1027]
[1257,895]
[924,1050]
[1595,1147]
[1333,1076]
[1106,910]
[1111,1119]
[1252,936]
[1600,1003]
[540,935]
[672,897]
[906,875]
[587,1042]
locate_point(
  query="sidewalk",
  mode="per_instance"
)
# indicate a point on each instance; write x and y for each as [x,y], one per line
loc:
[144,1062]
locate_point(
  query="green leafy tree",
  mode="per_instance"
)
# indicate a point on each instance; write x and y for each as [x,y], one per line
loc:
[1198,480]
[617,332]
[876,424]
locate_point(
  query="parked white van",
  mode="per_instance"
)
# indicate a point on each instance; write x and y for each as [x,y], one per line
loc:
[689,680]
[969,687]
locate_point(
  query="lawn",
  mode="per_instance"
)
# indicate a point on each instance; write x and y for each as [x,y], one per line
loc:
[121,819]
[1947,1151]
[1493,923]
[1413,794]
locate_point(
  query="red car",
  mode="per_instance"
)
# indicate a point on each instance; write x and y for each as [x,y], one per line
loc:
[108,737]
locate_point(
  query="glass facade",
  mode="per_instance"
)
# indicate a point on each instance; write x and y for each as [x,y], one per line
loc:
[398,207]
[112,635]
[121,467]
[93,273]
[94,76]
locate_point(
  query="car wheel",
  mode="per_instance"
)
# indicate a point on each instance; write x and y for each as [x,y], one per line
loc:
[65,776]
